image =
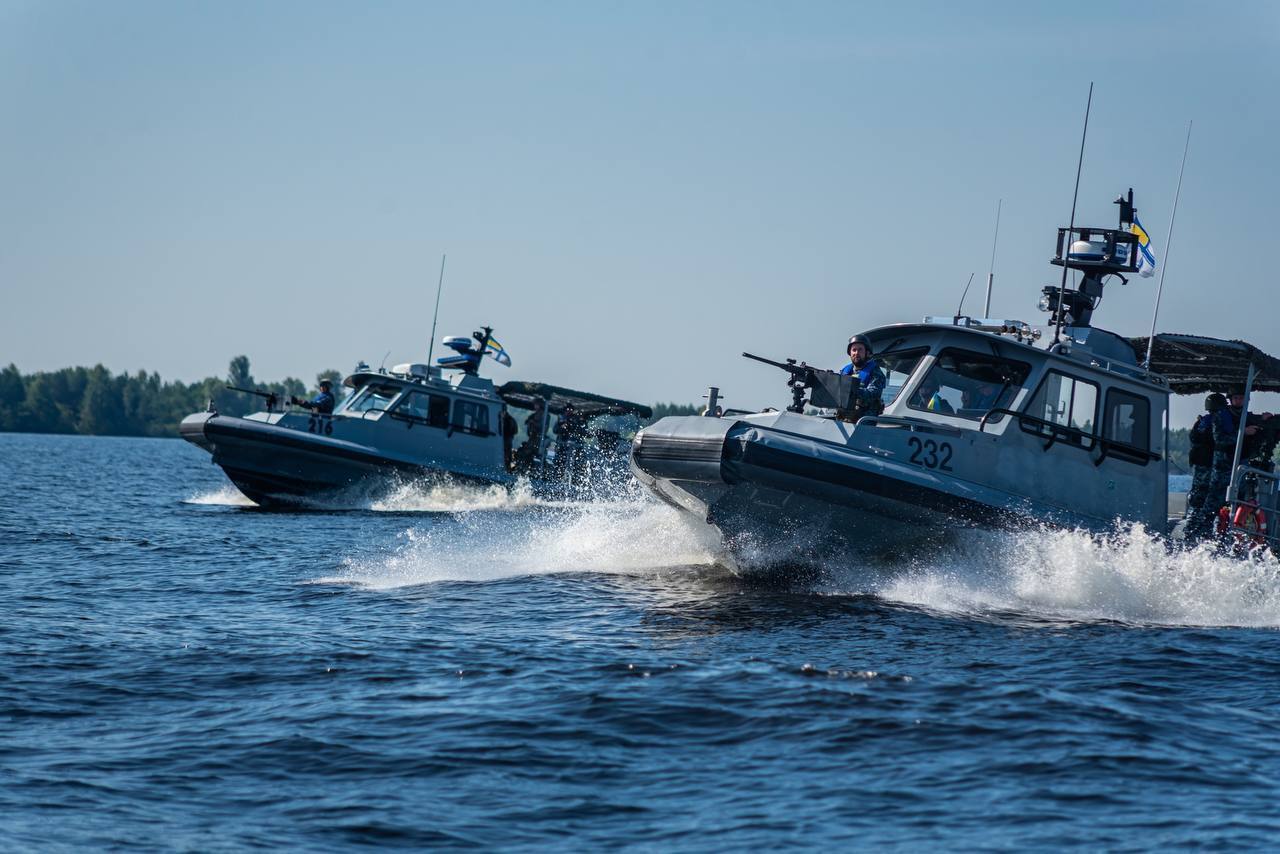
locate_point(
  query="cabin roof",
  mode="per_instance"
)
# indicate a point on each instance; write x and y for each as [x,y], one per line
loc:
[1194,363]
[523,395]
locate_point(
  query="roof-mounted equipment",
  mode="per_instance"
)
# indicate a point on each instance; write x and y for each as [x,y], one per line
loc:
[1095,253]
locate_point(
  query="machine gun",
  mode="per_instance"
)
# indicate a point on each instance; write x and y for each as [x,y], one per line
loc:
[830,390]
[272,398]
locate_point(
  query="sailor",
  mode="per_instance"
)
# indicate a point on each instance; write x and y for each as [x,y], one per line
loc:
[509,430]
[871,379]
[928,398]
[1213,442]
[981,397]
[533,436]
[1253,431]
[322,403]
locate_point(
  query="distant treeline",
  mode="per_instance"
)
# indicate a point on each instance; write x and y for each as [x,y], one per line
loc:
[93,401]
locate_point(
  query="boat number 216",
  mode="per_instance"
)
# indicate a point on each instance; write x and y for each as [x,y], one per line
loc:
[930,454]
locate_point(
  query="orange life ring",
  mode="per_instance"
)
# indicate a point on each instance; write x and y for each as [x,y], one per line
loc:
[1249,522]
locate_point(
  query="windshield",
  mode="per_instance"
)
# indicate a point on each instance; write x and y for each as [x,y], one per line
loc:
[968,385]
[372,398]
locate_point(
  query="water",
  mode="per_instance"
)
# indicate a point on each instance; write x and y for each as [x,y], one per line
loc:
[460,668]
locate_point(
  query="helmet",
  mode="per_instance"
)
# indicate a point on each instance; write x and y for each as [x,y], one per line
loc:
[1214,402]
[325,383]
[858,339]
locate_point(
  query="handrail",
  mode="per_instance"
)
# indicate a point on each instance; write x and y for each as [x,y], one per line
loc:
[1238,477]
[1064,431]
[451,426]
[915,424]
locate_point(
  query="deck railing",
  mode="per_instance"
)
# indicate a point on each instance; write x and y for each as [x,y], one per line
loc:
[1254,509]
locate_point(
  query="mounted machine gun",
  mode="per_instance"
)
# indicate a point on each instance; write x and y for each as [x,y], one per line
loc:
[828,389]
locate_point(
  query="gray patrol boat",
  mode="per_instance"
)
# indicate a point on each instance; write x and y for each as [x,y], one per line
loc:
[983,423]
[425,423]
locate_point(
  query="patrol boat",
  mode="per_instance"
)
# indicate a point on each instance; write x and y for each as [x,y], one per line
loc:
[418,422]
[985,422]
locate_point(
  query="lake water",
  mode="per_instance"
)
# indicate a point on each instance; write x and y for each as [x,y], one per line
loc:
[452,668]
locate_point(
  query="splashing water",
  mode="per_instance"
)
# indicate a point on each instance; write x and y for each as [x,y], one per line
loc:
[618,538]
[420,496]
[1128,577]
[447,497]
[226,496]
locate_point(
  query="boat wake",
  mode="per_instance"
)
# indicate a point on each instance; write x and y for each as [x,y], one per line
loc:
[424,497]
[623,537]
[409,497]
[226,496]
[1055,575]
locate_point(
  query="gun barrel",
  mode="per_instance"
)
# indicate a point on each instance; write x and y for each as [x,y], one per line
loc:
[786,366]
[252,391]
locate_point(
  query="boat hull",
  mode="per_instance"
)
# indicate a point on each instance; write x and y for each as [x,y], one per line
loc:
[283,467]
[782,497]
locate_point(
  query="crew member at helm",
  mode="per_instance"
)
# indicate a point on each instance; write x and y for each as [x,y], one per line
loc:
[871,379]
[322,403]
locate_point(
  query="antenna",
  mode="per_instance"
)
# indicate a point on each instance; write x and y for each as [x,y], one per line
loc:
[436,315]
[964,294]
[1168,241]
[991,271]
[1062,289]
[382,369]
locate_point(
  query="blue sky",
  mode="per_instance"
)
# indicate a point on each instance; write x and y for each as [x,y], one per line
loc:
[630,193]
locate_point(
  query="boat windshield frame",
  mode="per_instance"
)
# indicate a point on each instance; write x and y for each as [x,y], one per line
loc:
[375,389]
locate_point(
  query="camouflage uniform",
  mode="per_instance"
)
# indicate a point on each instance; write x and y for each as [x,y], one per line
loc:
[1209,483]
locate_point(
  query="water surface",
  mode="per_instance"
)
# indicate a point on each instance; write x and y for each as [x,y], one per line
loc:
[454,668]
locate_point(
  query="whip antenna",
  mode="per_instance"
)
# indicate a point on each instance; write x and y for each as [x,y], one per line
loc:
[1168,241]
[1062,289]
[991,271]
[964,294]
[435,316]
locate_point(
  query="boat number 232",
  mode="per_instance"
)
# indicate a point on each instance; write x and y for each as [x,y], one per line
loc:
[930,454]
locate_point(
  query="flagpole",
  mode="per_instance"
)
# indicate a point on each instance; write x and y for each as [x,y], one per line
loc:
[435,316]
[1168,241]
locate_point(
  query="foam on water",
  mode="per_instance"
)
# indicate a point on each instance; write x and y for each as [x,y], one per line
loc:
[226,496]
[446,497]
[624,537]
[421,496]
[1128,577]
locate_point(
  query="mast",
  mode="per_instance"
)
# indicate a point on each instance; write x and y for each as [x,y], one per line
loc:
[1168,241]
[1062,289]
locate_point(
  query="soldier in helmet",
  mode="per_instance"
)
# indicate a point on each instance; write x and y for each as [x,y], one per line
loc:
[322,403]
[871,378]
[1213,440]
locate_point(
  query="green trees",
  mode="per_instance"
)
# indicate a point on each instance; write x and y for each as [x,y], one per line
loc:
[13,395]
[662,410]
[94,401]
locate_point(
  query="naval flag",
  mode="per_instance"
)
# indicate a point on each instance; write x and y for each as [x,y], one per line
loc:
[1146,258]
[494,349]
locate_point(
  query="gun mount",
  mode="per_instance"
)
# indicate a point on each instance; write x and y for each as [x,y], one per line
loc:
[828,389]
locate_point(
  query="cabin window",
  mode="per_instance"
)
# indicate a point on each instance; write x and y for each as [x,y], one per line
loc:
[968,384]
[898,367]
[471,417]
[431,408]
[1066,401]
[1127,420]
[373,398]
